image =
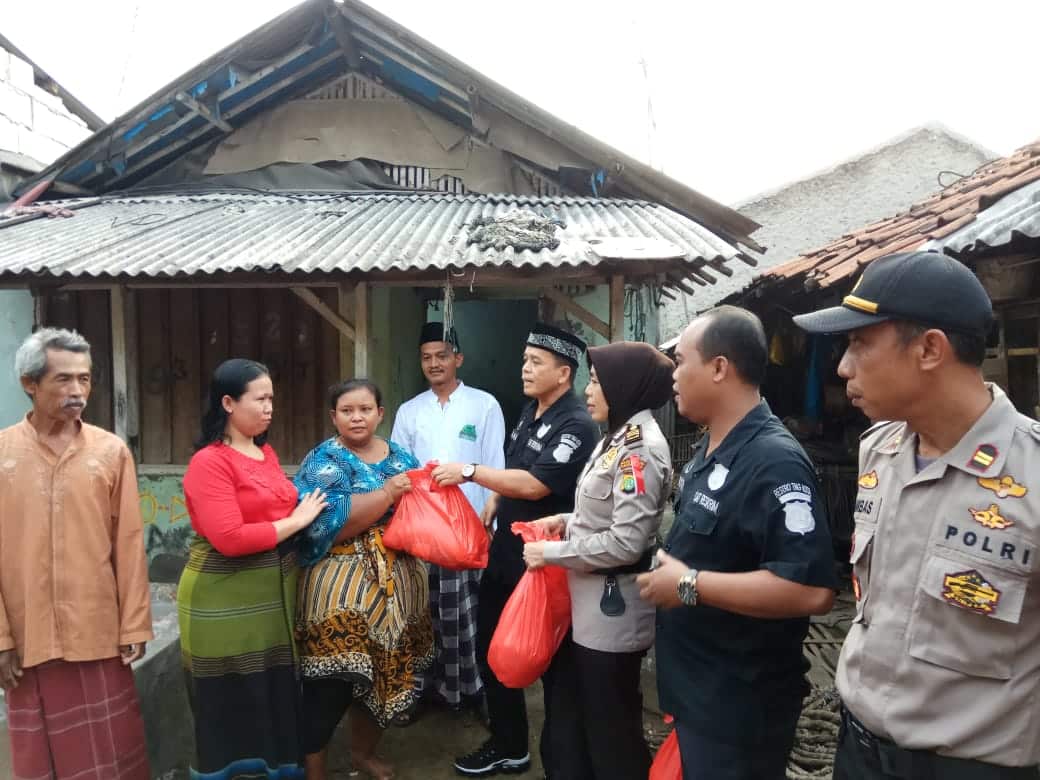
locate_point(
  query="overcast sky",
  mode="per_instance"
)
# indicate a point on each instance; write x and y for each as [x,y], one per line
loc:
[747,94]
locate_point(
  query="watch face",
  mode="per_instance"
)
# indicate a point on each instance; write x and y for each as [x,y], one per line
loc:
[468,469]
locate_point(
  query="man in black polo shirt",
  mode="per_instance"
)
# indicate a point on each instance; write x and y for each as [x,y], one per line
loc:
[747,560]
[545,454]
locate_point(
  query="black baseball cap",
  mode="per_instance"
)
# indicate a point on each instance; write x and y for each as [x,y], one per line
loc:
[927,288]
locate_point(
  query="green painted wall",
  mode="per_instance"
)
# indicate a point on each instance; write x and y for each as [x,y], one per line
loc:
[16,318]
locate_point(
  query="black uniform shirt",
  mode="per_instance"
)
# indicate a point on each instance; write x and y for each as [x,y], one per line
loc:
[752,504]
[553,449]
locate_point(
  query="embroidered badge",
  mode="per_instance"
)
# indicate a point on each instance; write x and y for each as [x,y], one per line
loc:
[608,458]
[796,500]
[868,481]
[632,481]
[717,478]
[970,590]
[544,429]
[983,457]
[1005,487]
[633,434]
[991,518]
[468,432]
[565,448]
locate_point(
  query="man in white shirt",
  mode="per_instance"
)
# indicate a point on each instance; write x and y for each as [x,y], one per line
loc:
[452,423]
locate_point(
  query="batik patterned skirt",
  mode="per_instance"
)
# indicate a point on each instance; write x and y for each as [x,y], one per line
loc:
[364,617]
[236,618]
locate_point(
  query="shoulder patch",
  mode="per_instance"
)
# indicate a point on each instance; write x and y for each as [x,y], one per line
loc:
[633,434]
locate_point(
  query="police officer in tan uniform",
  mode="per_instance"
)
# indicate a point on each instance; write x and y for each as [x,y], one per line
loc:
[940,672]
[597,725]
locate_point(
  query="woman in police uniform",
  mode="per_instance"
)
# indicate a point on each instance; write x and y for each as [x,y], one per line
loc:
[596,730]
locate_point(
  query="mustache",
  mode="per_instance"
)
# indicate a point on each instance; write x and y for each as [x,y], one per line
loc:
[73,402]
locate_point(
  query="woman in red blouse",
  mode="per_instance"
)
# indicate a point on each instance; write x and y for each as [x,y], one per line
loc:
[237,595]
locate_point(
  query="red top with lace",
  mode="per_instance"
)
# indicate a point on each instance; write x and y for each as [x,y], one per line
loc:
[234,500]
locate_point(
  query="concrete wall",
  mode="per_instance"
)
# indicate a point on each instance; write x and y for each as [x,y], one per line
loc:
[811,213]
[32,121]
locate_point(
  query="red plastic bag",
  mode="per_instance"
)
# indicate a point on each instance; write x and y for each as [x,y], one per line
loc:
[667,763]
[534,622]
[437,524]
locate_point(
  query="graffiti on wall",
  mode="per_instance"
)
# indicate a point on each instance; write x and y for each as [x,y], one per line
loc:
[167,528]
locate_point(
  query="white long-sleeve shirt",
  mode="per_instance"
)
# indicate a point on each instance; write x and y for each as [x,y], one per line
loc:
[469,428]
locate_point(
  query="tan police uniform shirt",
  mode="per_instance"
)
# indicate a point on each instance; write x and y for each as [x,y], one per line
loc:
[618,506]
[944,652]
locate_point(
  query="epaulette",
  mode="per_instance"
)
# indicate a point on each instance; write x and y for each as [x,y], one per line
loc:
[633,434]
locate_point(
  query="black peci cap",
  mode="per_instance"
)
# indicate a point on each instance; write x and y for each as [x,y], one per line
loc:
[434,331]
[927,288]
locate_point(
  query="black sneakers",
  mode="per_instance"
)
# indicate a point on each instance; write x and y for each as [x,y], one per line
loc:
[487,760]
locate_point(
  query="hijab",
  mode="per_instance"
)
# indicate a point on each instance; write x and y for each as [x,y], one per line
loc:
[634,376]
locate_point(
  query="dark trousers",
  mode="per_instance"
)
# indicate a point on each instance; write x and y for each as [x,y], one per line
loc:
[507,710]
[707,757]
[863,756]
[597,706]
[325,702]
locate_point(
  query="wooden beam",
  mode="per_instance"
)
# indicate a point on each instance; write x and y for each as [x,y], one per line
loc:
[617,307]
[346,345]
[362,301]
[120,371]
[340,25]
[328,314]
[204,112]
[571,306]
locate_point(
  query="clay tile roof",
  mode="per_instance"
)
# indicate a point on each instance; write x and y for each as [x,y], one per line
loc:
[933,218]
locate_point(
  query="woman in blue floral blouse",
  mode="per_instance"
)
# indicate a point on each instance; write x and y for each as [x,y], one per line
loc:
[363,620]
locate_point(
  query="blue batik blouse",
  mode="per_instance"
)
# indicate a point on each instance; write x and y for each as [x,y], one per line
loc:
[341,474]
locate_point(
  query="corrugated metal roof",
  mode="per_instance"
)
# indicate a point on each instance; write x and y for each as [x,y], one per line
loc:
[218,232]
[1016,215]
[935,219]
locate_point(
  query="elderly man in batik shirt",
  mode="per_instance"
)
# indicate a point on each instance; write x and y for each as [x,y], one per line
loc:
[74,597]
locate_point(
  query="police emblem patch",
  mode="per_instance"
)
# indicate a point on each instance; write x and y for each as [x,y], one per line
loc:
[1005,487]
[632,481]
[718,475]
[970,590]
[468,432]
[608,458]
[868,481]
[991,518]
[565,448]
[983,457]
[796,500]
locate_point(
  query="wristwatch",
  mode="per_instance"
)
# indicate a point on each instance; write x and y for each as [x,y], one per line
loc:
[468,471]
[687,588]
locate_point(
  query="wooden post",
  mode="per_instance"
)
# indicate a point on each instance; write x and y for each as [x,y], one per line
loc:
[617,307]
[362,304]
[346,345]
[120,393]
[133,381]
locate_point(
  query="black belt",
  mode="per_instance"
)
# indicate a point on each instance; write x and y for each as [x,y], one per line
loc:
[912,764]
[643,564]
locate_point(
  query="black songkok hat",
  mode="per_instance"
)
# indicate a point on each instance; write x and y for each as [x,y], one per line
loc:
[434,331]
[558,341]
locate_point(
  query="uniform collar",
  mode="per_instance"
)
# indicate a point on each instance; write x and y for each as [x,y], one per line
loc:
[981,451]
[742,433]
[565,403]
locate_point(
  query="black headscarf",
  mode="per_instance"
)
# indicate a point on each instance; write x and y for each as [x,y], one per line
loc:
[634,376]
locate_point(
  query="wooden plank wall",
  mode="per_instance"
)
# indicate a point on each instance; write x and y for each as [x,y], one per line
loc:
[184,334]
[88,313]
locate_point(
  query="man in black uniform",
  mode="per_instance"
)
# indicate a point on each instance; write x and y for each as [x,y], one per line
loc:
[545,454]
[747,560]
